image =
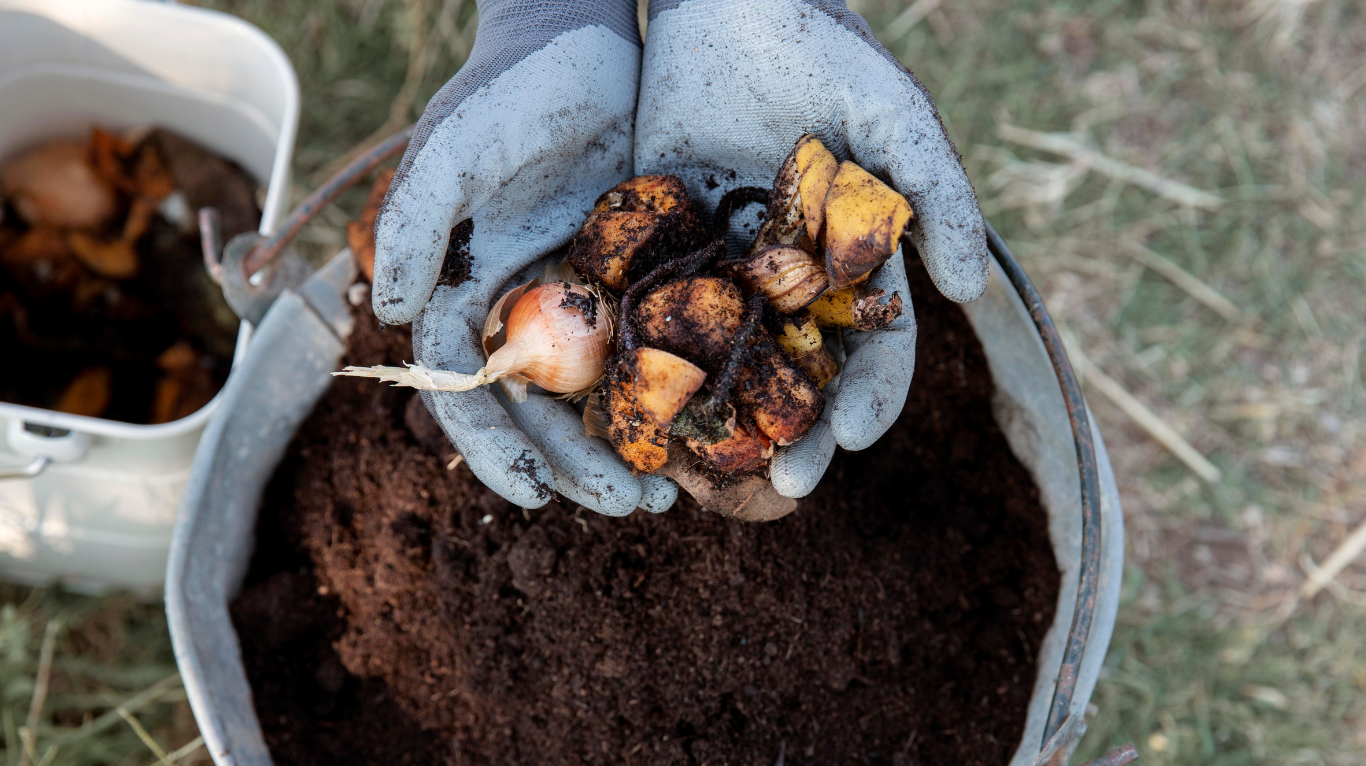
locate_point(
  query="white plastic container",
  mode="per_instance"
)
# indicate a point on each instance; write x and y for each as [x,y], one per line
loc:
[101,510]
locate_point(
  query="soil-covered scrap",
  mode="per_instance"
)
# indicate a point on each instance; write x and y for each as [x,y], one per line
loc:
[399,612]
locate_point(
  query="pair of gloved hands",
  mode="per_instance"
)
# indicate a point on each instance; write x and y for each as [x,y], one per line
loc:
[557,104]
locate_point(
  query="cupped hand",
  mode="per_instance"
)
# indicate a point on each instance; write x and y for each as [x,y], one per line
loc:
[727,88]
[511,154]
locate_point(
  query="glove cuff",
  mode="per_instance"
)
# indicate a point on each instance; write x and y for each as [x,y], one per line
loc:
[522,19]
[835,9]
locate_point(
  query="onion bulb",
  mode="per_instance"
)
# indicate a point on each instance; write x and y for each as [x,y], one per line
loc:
[558,336]
[55,185]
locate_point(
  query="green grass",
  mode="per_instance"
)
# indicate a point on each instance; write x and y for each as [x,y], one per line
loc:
[1262,102]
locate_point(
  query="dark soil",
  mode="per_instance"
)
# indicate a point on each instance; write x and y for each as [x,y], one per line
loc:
[398,612]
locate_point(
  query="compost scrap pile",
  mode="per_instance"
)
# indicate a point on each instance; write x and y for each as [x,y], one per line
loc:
[397,611]
[105,305]
[694,364]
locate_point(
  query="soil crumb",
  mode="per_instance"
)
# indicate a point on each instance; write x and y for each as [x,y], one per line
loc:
[398,612]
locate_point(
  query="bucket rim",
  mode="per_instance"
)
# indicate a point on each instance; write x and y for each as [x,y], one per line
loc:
[1061,734]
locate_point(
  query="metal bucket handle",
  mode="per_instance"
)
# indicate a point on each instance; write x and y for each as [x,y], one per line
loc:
[1061,734]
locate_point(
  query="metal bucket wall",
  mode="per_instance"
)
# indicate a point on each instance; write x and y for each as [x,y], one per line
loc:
[1031,406]
[286,372]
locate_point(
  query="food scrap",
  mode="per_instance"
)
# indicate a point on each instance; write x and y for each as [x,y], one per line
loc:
[360,233]
[103,293]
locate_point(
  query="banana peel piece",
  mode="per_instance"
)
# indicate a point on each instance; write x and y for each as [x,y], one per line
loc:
[801,338]
[856,307]
[797,201]
[817,169]
[864,219]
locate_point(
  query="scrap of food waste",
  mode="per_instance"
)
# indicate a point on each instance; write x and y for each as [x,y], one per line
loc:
[104,300]
[692,364]
[360,234]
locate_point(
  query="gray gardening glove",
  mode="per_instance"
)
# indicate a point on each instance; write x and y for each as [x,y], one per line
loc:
[522,140]
[727,88]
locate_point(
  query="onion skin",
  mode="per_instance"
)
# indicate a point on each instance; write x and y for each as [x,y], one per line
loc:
[552,341]
[789,277]
[55,185]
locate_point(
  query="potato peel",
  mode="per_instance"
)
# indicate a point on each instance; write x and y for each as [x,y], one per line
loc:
[640,443]
[693,318]
[746,449]
[634,226]
[858,308]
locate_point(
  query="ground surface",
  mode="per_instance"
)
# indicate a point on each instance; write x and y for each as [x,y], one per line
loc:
[1215,658]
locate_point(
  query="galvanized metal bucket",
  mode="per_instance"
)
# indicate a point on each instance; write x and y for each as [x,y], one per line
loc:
[1038,404]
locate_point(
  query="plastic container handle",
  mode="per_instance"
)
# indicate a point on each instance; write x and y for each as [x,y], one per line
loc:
[27,471]
[69,447]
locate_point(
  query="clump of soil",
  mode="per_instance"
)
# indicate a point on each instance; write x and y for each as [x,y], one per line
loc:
[115,316]
[396,611]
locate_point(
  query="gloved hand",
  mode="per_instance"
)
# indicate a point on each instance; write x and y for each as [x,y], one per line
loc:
[522,141]
[727,88]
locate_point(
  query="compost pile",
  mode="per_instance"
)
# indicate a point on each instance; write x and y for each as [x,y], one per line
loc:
[396,611]
[693,364]
[105,305]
